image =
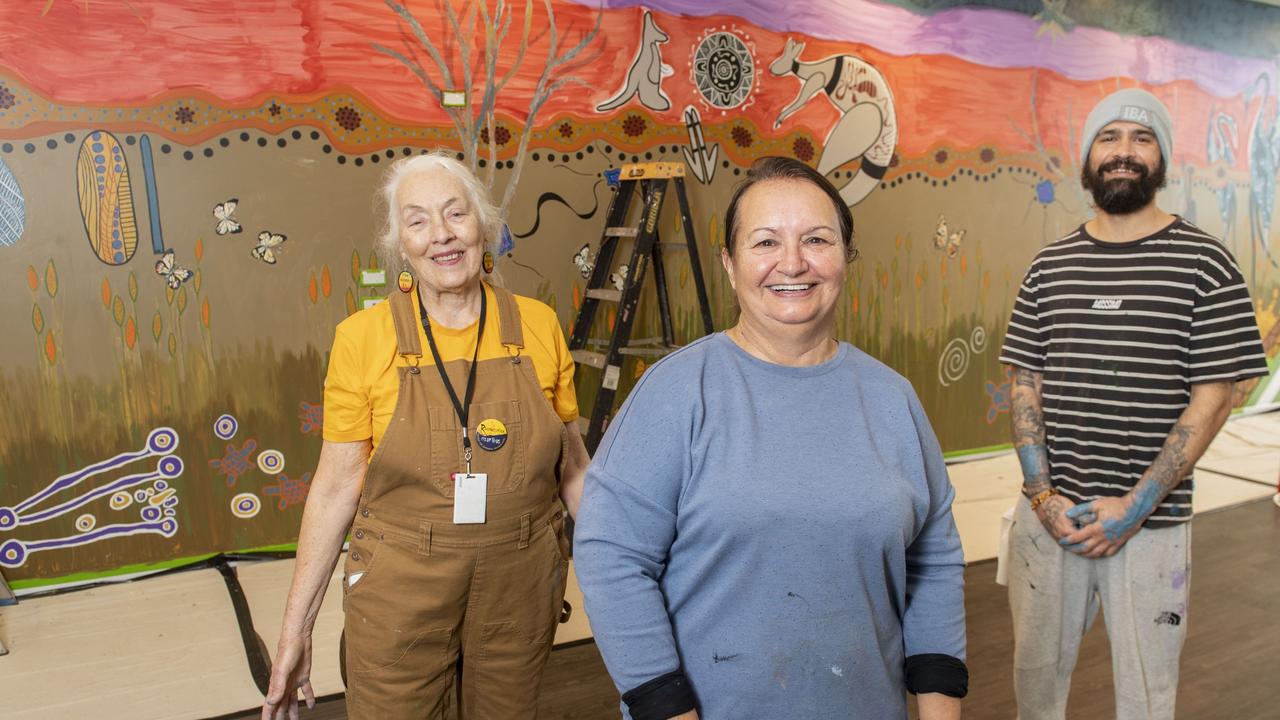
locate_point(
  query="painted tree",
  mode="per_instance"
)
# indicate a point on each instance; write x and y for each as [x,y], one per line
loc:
[474,71]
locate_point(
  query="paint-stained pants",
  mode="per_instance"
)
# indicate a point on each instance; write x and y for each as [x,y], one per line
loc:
[421,600]
[1055,595]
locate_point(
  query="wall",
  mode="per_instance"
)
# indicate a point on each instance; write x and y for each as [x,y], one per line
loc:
[160,407]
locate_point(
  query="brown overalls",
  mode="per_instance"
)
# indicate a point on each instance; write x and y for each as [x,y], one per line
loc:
[432,589]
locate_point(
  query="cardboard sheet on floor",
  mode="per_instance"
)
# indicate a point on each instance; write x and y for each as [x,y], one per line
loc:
[164,647]
[266,586]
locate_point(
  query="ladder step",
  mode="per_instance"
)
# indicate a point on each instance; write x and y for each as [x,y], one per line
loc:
[610,295]
[586,357]
[652,170]
[650,351]
[621,231]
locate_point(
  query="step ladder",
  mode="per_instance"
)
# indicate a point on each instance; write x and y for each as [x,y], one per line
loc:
[651,180]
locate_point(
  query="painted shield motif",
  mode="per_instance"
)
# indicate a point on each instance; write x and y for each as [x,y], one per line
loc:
[106,200]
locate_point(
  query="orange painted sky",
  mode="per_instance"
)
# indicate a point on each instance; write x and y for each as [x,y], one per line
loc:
[143,52]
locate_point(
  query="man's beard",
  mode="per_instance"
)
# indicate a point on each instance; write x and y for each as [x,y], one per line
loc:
[1121,196]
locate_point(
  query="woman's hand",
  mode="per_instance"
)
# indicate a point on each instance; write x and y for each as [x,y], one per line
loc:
[290,672]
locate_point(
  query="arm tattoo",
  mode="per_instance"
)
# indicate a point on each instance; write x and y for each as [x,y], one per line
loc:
[1166,472]
[1027,419]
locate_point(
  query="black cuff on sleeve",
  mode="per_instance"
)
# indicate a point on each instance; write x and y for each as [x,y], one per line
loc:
[935,672]
[662,697]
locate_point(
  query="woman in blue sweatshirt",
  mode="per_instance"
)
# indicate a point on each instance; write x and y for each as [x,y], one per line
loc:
[766,528]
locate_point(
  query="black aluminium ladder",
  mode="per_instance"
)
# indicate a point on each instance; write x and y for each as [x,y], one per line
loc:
[652,181]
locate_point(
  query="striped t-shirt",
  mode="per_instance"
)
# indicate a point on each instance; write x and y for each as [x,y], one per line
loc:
[1120,331]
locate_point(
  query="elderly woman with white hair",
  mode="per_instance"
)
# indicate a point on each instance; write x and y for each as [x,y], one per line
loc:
[450,442]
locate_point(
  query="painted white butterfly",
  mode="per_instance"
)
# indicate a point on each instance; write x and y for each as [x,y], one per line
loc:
[619,279]
[222,213]
[583,260]
[174,275]
[946,241]
[268,245]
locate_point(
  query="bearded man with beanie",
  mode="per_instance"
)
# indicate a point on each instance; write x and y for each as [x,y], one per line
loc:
[1125,341]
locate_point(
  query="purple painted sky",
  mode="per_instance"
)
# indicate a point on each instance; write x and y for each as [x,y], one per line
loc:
[995,38]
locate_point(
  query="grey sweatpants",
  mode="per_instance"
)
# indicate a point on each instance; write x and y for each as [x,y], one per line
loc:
[1055,596]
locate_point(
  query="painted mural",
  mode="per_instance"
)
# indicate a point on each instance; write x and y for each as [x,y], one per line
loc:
[186,206]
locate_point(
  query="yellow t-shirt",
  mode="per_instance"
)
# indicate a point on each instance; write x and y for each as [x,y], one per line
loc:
[362,384]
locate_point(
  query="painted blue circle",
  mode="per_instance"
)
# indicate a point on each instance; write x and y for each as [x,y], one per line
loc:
[12,553]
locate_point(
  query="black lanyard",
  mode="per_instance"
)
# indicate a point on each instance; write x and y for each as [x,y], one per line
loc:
[463,409]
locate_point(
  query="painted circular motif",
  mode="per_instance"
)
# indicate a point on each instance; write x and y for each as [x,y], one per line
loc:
[271,462]
[225,427]
[121,500]
[12,553]
[245,505]
[170,466]
[162,441]
[723,70]
[8,519]
[86,522]
[151,513]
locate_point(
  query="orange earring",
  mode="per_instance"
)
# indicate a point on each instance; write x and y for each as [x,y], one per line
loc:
[405,281]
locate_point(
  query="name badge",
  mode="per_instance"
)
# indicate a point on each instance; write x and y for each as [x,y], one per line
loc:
[469,493]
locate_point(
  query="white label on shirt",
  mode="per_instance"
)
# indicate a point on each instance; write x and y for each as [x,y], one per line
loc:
[469,493]
[354,578]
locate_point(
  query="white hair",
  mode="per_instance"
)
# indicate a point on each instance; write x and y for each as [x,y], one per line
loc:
[387,244]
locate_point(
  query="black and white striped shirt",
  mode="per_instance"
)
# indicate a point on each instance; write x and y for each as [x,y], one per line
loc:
[1120,333]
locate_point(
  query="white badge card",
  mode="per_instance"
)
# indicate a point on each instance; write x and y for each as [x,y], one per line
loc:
[469,492]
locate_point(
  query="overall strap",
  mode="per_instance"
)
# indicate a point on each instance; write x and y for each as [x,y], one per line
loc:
[404,312]
[508,317]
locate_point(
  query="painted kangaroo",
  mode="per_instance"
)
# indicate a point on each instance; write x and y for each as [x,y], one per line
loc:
[868,127]
[646,73]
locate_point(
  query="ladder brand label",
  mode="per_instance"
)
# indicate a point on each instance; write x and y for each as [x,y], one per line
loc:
[654,201]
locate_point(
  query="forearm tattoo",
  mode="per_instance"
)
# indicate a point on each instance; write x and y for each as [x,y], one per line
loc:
[1028,432]
[1166,472]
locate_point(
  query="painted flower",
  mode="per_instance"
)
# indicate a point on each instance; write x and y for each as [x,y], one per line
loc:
[274,109]
[802,149]
[185,114]
[940,157]
[500,134]
[348,118]
[634,126]
[741,136]
[566,130]
[6,98]
[987,155]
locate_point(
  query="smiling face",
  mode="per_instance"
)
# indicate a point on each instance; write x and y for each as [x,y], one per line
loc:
[788,263]
[440,233]
[1125,168]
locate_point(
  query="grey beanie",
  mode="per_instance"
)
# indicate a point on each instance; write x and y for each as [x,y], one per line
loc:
[1130,105]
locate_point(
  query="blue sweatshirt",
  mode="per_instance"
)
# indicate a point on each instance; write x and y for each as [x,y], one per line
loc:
[782,535]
